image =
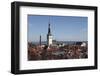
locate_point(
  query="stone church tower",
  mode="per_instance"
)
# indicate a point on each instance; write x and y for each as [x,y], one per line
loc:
[49,36]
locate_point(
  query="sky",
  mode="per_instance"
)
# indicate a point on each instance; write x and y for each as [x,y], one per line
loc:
[63,28]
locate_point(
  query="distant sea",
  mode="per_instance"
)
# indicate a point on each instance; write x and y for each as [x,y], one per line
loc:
[65,42]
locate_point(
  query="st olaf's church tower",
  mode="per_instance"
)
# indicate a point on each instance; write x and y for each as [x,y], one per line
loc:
[49,36]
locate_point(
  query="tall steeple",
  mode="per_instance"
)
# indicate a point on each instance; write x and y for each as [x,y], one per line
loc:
[49,35]
[49,29]
[40,40]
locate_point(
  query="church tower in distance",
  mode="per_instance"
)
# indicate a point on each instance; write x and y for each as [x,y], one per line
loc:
[49,36]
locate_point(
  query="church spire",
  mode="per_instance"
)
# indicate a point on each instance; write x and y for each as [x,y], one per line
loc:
[49,36]
[49,29]
[40,40]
